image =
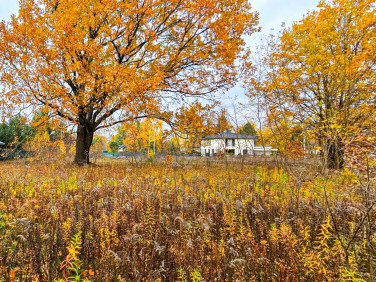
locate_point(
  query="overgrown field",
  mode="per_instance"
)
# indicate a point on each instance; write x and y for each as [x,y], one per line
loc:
[171,222]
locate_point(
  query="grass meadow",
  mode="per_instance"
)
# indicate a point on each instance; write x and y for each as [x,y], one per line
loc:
[183,221]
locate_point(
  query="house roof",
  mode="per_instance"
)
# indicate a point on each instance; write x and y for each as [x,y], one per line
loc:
[229,135]
[2,143]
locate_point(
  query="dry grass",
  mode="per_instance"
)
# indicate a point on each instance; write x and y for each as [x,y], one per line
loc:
[180,222]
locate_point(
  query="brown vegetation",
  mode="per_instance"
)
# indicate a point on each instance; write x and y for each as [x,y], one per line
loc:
[183,222]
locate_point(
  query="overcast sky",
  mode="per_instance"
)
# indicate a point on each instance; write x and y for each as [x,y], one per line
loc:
[7,8]
[274,12]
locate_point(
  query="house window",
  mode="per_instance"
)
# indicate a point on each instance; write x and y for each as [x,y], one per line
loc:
[230,152]
[226,142]
[213,152]
[233,142]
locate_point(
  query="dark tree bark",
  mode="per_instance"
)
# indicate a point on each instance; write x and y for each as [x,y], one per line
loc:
[85,134]
[336,158]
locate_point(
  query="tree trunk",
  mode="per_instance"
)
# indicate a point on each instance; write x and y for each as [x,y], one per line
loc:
[335,155]
[85,136]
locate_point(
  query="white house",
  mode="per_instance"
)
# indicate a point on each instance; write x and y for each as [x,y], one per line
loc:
[233,144]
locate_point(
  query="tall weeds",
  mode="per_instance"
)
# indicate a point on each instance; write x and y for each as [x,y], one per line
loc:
[173,223]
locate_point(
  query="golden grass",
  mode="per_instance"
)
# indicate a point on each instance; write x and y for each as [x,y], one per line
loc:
[169,222]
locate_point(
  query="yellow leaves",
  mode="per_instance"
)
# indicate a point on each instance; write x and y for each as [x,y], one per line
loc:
[349,177]
[273,234]
[317,74]
[350,275]
[325,234]
[141,136]
[73,252]
[66,228]
[221,247]
[315,262]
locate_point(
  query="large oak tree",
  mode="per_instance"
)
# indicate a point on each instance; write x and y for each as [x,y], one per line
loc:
[96,63]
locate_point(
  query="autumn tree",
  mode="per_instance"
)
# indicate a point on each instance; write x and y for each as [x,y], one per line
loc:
[141,136]
[223,123]
[52,126]
[97,63]
[99,145]
[194,123]
[321,74]
[51,138]
[173,145]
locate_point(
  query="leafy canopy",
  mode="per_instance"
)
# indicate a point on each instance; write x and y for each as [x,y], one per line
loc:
[99,62]
[321,72]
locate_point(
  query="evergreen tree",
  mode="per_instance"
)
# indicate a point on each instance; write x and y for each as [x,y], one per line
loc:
[248,129]
[15,132]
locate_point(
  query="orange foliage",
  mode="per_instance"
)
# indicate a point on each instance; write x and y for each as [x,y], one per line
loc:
[100,62]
